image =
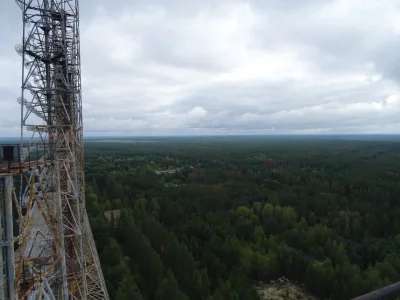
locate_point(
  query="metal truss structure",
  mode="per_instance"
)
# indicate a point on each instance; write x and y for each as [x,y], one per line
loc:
[54,255]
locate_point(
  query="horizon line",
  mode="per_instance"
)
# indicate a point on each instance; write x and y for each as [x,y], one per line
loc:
[229,135]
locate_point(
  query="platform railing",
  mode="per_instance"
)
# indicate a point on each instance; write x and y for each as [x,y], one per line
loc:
[382,293]
[17,158]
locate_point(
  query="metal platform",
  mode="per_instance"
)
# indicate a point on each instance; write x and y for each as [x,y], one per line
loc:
[16,159]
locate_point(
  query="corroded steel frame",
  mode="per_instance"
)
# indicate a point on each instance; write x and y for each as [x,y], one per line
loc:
[56,257]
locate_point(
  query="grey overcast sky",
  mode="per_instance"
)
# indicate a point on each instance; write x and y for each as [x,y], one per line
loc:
[228,66]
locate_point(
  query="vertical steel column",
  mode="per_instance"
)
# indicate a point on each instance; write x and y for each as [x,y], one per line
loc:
[61,229]
[3,278]
[9,235]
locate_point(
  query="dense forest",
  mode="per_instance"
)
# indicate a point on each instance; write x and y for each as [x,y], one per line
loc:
[210,218]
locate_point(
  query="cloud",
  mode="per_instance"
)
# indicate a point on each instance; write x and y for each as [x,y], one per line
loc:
[210,67]
[197,112]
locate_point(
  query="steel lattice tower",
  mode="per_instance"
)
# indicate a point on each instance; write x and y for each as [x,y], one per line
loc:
[56,257]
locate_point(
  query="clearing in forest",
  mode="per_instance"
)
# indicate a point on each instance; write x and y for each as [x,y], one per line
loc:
[288,291]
